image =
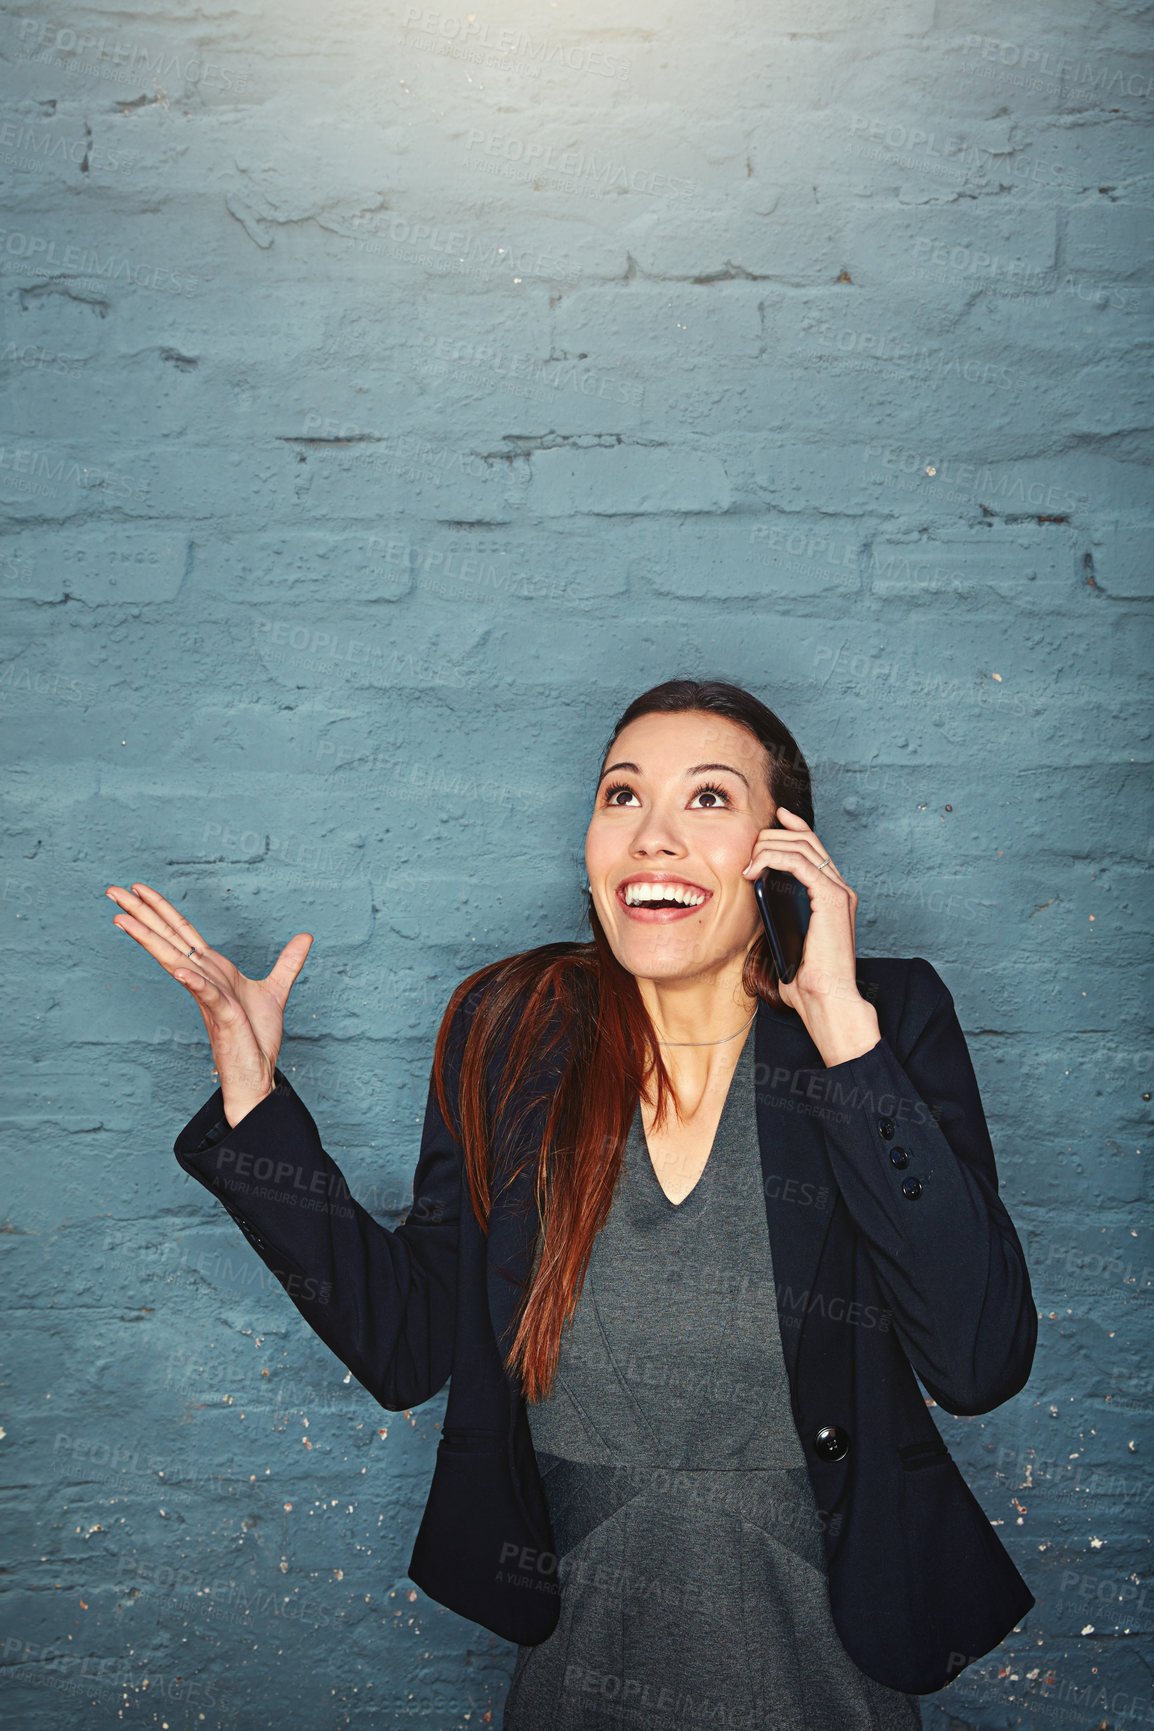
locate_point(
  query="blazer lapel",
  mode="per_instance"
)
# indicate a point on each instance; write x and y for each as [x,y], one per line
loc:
[797,1179]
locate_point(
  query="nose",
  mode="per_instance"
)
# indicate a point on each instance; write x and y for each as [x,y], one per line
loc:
[655,834]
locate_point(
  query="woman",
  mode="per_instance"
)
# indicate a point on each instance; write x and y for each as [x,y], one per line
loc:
[682,1235]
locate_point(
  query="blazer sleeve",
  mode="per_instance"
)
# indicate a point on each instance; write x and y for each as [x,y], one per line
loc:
[911,1153]
[383,1300]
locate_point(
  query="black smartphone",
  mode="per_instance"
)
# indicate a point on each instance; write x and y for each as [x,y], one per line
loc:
[783,901]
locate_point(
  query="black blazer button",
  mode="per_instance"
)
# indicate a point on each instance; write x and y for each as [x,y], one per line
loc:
[831,1443]
[899,1156]
[912,1187]
[886,1129]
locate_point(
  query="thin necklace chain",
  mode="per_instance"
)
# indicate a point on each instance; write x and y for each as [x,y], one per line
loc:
[720,1042]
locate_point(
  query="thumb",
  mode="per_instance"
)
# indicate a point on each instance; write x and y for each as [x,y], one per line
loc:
[290,962]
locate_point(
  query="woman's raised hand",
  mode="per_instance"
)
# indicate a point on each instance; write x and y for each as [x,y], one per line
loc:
[824,992]
[244,1018]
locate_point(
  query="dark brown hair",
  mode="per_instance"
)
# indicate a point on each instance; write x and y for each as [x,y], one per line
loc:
[576,1043]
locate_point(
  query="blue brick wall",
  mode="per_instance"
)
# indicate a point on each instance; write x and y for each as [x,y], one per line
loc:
[391,394]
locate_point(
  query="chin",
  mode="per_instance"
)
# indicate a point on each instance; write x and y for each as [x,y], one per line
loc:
[665,955]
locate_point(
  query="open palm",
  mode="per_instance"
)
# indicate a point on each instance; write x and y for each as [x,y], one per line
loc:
[244,1018]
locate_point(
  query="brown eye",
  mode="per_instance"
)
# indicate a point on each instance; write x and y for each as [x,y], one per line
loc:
[716,795]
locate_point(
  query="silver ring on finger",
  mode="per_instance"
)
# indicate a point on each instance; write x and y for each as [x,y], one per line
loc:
[823,864]
[192,952]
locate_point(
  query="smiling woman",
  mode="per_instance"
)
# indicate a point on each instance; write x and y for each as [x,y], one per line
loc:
[683,1238]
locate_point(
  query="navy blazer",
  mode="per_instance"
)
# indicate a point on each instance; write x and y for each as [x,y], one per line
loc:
[893,1257]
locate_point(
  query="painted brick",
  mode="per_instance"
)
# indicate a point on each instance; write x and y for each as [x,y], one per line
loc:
[384,408]
[752,558]
[622,481]
[1122,559]
[1096,245]
[99,565]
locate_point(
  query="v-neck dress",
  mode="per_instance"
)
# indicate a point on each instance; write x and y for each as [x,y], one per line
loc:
[691,1561]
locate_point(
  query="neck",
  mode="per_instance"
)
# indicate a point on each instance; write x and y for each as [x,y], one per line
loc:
[708,1014]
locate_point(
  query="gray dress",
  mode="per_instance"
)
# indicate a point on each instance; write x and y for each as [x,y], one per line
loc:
[691,1557]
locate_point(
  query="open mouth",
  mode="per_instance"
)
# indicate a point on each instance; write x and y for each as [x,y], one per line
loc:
[652,899]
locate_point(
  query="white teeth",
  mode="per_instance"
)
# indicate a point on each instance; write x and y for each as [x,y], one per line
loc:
[635,893]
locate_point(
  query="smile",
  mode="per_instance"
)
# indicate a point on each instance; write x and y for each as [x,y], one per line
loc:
[660,900]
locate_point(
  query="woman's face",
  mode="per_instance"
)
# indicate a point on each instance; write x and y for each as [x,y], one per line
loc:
[678,807]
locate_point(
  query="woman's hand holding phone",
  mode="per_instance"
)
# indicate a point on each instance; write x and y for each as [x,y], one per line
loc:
[244,1018]
[824,990]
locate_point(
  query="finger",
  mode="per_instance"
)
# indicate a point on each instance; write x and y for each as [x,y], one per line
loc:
[160,947]
[215,1003]
[798,865]
[158,913]
[773,846]
[793,824]
[805,838]
[289,963]
[187,936]
[137,909]
[829,870]
[806,870]
[802,831]
[229,1029]
[802,837]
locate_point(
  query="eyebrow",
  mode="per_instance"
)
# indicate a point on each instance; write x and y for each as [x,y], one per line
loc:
[697,769]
